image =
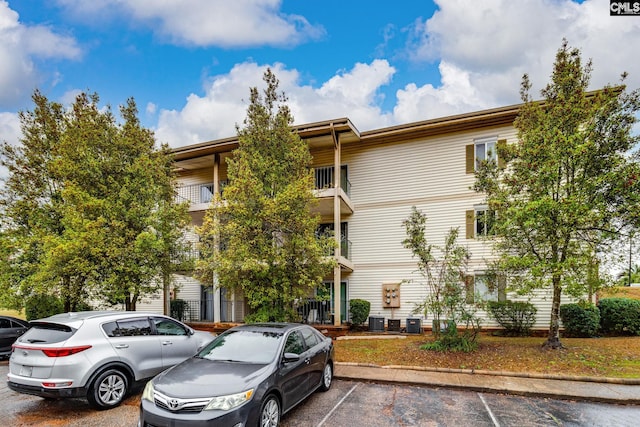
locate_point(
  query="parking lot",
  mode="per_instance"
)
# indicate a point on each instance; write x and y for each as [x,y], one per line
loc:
[350,404]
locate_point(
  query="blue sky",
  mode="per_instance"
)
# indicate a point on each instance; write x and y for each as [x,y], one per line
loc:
[189,64]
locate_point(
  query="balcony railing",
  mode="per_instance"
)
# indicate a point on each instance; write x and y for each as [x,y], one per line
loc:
[203,193]
[192,310]
[310,310]
[345,248]
[189,252]
[313,311]
[195,194]
[324,179]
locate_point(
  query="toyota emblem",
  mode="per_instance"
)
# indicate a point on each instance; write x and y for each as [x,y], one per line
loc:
[174,404]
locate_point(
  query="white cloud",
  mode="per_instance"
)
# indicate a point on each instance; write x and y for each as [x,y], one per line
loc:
[224,23]
[151,108]
[456,94]
[10,128]
[352,94]
[486,46]
[482,49]
[10,133]
[20,46]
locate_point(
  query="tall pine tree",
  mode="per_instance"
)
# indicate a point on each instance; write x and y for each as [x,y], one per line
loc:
[262,239]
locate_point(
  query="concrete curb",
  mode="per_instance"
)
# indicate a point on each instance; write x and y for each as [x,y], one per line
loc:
[551,386]
[534,375]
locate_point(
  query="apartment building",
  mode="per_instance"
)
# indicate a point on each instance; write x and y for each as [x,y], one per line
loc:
[367,183]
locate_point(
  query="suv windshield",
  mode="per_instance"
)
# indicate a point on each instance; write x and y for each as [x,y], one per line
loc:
[42,332]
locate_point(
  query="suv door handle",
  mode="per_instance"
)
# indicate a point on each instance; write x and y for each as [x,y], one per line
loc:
[122,346]
[167,342]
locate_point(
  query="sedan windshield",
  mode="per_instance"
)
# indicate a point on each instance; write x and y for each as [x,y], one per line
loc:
[243,346]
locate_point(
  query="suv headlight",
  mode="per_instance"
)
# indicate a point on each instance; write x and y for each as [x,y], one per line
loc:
[224,403]
[147,394]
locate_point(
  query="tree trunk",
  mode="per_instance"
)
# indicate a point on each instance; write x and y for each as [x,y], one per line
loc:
[553,340]
[66,283]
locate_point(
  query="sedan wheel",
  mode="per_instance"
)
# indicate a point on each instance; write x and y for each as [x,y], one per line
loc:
[327,377]
[108,389]
[270,414]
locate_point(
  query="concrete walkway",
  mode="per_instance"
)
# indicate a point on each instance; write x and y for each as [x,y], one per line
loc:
[610,390]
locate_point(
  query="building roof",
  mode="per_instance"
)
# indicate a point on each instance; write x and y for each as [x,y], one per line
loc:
[326,132]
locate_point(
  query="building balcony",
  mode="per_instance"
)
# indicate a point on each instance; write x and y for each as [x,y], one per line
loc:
[325,191]
[344,260]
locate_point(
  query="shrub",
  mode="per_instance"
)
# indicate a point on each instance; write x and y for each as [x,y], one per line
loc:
[42,305]
[451,339]
[359,310]
[516,317]
[620,316]
[580,320]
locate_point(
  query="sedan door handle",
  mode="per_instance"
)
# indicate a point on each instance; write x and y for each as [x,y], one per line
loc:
[122,346]
[167,342]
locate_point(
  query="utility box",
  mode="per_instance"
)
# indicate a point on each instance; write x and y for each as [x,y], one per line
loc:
[376,324]
[393,325]
[414,325]
[391,295]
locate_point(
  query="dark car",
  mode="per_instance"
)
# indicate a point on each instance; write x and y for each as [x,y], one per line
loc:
[10,329]
[248,376]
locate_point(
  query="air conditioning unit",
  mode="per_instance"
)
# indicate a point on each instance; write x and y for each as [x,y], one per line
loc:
[376,324]
[414,325]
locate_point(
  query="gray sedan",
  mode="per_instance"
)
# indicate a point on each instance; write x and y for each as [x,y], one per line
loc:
[250,375]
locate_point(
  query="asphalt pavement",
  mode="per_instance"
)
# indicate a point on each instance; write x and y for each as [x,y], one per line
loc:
[607,390]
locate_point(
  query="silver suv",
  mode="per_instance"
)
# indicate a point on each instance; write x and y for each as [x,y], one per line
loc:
[98,355]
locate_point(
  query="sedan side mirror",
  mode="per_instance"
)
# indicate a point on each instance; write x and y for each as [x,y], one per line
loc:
[291,357]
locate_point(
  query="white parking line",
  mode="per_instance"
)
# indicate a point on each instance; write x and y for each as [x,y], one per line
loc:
[493,418]
[336,407]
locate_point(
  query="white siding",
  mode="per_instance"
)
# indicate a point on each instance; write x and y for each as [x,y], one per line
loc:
[386,181]
[187,288]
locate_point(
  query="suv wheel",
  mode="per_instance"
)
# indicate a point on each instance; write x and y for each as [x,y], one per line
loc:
[108,389]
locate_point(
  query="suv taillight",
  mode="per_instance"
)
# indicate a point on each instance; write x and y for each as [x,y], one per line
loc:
[56,352]
[65,351]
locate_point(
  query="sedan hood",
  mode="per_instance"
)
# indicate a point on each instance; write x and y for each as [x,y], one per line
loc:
[197,377]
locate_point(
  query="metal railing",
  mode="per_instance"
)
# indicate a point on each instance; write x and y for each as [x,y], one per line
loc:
[188,252]
[315,312]
[345,249]
[324,179]
[310,310]
[196,193]
[192,310]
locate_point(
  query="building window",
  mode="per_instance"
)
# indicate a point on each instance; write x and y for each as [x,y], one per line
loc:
[485,150]
[480,222]
[484,222]
[483,287]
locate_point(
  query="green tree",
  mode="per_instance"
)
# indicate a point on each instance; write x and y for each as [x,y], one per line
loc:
[570,183]
[626,277]
[444,277]
[31,202]
[88,203]
[269,248]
